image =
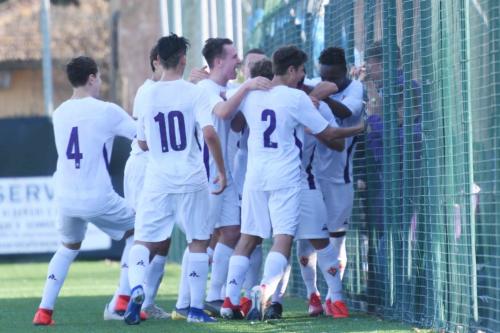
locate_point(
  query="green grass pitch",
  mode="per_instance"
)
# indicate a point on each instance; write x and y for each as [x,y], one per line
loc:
[89,286]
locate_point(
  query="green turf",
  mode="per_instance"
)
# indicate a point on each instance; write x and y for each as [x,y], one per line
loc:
[90,284]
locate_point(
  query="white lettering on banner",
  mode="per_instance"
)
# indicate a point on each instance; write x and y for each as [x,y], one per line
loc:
[28,218]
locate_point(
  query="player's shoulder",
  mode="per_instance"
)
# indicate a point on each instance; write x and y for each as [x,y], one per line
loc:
[356,86]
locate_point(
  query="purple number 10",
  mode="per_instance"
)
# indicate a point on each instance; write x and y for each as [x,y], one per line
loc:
[272,126]
[73,150]
[172,118]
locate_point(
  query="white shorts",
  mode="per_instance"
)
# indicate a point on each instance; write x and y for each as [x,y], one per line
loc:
[224,208]
[266,213]
[339,199]
[133,178]
[312,220]
[158,212]
[118,219]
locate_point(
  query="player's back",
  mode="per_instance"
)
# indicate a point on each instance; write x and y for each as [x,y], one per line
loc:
[173,118]
[81,129]
[275,119]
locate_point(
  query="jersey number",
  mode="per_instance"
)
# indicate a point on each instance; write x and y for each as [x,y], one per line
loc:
[73,150]
[173,117]
[272,126]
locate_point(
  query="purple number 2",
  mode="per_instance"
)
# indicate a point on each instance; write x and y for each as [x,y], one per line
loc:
[73,150]
[272,126]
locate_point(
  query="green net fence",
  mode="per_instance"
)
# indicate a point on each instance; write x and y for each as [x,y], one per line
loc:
[422,247]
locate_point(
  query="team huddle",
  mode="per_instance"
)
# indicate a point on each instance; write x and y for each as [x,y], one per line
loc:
[230,164]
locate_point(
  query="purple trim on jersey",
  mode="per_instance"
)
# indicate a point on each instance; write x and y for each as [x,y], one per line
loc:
[347,177]
[310,176]
[206,156]
[196,137]
[105,155]
[298,143]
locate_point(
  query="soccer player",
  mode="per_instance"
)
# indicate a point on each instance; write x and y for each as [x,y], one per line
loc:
[223,61]
[133,183]
[334,169]
[82,126]
[271,194]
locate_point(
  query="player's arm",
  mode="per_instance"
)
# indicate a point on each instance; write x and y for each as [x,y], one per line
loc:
[198,74]
[337,145]
[121,123]
[141,135]
[225,109]
[213,143]
[238,122]
[331,134]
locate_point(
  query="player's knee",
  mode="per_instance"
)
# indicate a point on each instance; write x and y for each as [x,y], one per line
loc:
[230,235]
[72,246]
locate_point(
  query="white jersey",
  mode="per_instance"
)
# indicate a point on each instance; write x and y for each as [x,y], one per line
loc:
[170,125]
[309,154]
[336,166]
[139,104]
[82,128]
[222,126]
[276,120]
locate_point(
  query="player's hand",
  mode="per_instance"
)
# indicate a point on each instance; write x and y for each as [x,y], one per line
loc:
[324,89]
[359,73]
[258,83]
[315,101]
[222,181]
[198,74]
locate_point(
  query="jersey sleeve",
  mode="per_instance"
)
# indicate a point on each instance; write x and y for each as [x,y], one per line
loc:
[141,133]
[354,100]
[307,115]
[326,113]
[139,103]
[203,107]
[120,121]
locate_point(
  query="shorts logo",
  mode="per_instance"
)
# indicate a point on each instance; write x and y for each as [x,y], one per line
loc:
[124,265]
[333,271]
[324,228]
[233,281]
[304,261]
[52,277]
[194,274]
[141,263]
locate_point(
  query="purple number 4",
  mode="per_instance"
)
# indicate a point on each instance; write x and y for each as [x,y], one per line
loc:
[73,150]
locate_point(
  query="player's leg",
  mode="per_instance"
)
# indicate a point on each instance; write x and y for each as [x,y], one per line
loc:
[184,297]
[307,258]
[225,212]
[72,230]
[255,225]
[275,309]
[252,278]
[154,277]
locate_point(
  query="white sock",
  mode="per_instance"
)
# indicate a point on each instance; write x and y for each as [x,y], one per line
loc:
[153,279]
[340,252]
[220,265]
[274,268]
[253,273]
[329,266]
[282,285]
[210,253]
[197,278]
[138,263]
[184,297]
[56,273]
[238,267]
[123,284]
[308,259]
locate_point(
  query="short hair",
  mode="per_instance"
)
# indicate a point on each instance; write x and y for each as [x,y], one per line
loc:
[170,50]
[214,48]
[287,56]
[375,51]
[153,55]
[263,67]
[333,56]
[79,69]
[255,51]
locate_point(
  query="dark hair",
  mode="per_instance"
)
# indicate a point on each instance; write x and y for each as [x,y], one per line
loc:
[333,56]
[255,51]
[263,67]
[153,55]
[79,69]
[171,49]
[287,56]
[214,48]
